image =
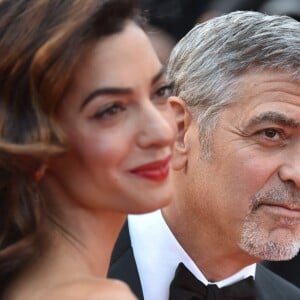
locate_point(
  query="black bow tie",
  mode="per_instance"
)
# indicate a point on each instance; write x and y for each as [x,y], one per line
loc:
[185,286]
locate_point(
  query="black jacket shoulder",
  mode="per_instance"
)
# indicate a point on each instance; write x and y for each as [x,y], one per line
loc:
[270,286]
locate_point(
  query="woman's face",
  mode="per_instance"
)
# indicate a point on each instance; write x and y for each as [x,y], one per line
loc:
[119,126]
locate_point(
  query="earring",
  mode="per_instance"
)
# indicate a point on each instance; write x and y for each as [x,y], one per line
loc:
[40,173]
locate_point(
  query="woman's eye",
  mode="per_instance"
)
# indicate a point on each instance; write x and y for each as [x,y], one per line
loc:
[163,93]
[110,111]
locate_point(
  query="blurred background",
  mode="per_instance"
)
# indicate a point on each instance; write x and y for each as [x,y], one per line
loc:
[170,20]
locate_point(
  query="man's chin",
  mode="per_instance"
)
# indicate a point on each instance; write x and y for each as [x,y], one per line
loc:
[280,246]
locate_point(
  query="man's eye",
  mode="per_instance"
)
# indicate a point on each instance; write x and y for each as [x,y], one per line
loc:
[271,137]
[271,133]
[109,111]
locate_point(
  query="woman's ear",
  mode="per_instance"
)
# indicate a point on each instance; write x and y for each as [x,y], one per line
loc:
[183,120]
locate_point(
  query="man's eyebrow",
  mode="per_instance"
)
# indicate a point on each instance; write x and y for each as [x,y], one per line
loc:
[117,90]
[273,117]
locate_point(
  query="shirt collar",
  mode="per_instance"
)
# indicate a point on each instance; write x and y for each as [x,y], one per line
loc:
[157,254]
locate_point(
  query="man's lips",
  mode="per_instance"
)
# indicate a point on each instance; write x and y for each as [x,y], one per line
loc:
[157,170]
[284,210]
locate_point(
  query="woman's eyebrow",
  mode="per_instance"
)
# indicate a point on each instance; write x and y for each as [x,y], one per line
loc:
[116,90]
[160,73]
[104,91]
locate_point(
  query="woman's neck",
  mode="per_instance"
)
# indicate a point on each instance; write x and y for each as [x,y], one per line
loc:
[87,237]
[77,248]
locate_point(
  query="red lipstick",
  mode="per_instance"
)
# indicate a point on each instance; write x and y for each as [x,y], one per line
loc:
[156,171]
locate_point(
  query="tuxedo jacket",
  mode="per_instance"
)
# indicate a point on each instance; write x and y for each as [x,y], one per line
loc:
[269,286]
[288,269]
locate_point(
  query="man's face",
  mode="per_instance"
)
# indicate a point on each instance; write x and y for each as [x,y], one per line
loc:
[247,196]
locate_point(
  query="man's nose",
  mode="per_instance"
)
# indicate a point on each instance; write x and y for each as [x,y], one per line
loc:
[290,168]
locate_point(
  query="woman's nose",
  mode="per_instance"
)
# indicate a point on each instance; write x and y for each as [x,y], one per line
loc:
[157,128]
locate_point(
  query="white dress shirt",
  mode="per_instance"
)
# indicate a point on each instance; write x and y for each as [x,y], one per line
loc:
[157,254]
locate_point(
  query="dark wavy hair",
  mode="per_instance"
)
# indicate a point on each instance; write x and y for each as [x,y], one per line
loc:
[40,45]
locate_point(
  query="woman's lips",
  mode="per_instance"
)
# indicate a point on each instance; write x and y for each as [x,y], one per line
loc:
[156,171]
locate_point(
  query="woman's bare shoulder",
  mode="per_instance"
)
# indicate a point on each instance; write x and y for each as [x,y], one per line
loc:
[91,289]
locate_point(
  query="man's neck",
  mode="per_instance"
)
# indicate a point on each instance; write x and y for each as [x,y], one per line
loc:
[216,260]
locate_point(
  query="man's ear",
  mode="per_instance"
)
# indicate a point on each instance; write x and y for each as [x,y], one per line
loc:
[183,120]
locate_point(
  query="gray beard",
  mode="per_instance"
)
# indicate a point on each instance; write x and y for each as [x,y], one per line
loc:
[256,237]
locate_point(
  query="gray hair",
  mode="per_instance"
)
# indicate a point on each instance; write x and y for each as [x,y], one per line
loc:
[206,64]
